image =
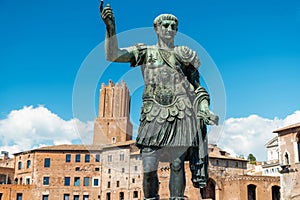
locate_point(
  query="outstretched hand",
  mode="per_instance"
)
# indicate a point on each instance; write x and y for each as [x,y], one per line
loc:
[107,15]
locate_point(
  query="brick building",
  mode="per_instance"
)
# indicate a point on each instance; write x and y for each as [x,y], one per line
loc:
[289,159]
[111,168]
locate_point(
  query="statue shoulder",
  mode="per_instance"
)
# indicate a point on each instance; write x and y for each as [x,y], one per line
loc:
[187,56]
[141,46]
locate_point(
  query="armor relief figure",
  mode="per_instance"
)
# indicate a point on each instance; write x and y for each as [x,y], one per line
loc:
[175,109]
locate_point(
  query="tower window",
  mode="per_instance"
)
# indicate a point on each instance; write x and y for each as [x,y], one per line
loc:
[121,156]
[109,158]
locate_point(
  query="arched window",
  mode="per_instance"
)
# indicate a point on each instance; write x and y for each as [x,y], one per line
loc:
[286,159]
[209,192]
[121,196]
[251,192]
[275,192]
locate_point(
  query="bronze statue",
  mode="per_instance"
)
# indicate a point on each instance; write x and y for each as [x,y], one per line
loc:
[175,108]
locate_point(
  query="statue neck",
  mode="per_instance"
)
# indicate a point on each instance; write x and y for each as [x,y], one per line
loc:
[165,44]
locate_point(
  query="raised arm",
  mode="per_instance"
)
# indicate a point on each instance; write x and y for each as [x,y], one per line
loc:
[113,52]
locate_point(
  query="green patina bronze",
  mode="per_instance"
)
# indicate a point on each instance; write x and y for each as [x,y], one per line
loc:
[175,108]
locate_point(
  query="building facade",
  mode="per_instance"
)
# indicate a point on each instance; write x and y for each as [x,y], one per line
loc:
[289,159]
[111,168]
[272,167]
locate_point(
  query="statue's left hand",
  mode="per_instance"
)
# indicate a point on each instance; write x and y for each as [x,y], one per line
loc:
[204,113]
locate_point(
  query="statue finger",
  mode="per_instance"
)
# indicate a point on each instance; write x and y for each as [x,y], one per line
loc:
[101,6]
[107,15]
[107,9]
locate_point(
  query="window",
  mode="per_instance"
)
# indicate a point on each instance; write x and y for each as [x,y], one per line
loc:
[109,158]
[217,162]
[77,169]
[21,181]
[133,180]
[97,158]
[28,164]
[76,181]
[77,158]
[121,195]
[76,197]
[298,146]
[136,157]
[19,165]
[113,140]
[108,184]
[45,197]
[19,196]
[123,170]
[86,181]
[121,156]
[46,180]
[1,196]
[85,197]
[286,158]
[87,158]
[96,182]
[251,192]
[275,192]
[236,164]
[97,169]
[135,194]
[227,163]
[68,157]
[47,162]
[27,181]
[67,181]
[66,196]
[108,196]
[135,168]
[118,183]
[109,171]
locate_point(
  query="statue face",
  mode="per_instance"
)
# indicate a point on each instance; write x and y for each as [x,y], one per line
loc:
[167,30]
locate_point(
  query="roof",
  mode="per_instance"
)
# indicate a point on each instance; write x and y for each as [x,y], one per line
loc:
[78,147]
[293,126]
[213,155]
[272,142]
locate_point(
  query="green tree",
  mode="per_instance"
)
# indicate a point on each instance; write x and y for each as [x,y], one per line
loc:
[251,159]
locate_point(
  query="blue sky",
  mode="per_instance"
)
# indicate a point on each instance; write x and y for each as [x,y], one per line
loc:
[254,44]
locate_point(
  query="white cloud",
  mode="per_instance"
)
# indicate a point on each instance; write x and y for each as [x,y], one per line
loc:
[242,136]
[34,127]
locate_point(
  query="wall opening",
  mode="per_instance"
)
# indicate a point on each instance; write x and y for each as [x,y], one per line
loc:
[121,196]
[286,158]
[108,196]
[209,192]
[251,192]
[275,192]
[298,146]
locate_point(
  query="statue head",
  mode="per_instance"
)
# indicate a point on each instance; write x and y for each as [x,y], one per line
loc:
[160,18]
[166,26]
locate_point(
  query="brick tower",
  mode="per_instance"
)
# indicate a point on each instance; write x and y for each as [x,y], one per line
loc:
[113,122]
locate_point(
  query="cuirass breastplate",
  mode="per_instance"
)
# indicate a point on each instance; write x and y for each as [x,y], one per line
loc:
[168,95]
